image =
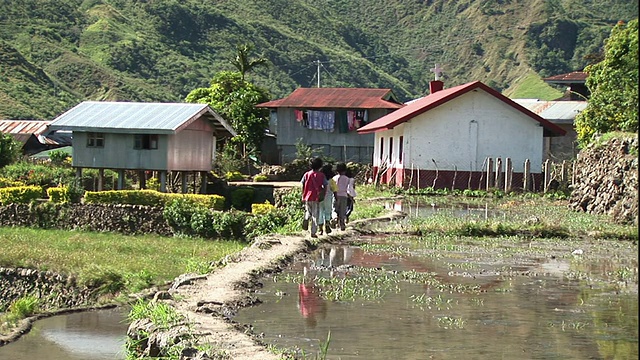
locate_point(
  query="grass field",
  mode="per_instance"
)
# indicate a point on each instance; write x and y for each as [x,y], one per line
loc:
[139,260]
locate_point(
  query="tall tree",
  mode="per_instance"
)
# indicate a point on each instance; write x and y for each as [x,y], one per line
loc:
[243,63]
[235,99]
[613,83]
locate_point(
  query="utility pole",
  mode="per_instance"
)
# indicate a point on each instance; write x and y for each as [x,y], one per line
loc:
[318,62]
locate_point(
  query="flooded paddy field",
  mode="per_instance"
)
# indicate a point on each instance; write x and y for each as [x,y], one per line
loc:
[452,297]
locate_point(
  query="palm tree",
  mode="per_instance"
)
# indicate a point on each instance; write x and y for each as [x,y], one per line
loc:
[242,61]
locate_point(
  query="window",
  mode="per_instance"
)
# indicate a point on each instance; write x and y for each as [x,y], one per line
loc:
[390,149]
[95,140]
[400,149]
[381,148]
[145,142]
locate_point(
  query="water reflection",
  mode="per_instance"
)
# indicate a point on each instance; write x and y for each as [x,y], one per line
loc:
[421,209]
[88,335]
[310,304]
[512,316]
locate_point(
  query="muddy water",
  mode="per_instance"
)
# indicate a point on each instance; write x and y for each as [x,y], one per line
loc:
[528,305]
[89,335]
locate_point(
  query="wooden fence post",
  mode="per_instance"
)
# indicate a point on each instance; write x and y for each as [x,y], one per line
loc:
[546,169]
[563,172]
[499,175]
[527,171]
[508,174]
[489,173]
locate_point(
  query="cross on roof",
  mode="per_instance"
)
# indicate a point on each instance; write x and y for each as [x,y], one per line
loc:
[437,70]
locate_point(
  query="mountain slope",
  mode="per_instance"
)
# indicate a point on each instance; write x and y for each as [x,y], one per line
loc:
[55,53]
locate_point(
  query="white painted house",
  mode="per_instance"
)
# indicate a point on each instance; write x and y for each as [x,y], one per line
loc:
[444,139]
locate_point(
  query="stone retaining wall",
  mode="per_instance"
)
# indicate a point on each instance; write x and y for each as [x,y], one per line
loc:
[607,180]
[54,291]
[125,219]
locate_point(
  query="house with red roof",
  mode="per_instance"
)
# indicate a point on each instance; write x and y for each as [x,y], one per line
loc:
[445,139]
[328,119]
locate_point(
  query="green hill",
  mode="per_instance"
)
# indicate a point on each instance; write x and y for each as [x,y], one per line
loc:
[56,53]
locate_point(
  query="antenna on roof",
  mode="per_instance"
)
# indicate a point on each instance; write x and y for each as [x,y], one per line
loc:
[318,62]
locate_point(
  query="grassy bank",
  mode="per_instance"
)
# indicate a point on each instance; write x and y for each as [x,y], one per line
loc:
[135,262]
[528,215]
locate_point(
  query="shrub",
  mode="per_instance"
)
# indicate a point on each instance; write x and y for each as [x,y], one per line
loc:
[229,224]
[234,176]
[4,182]
[179,213]
[20,194]
[58,195]
[242,198]
[202,223]
[260,177]
[153,184]
[260,209]
[40,175]
[58,157]
[266,223]
[151,198]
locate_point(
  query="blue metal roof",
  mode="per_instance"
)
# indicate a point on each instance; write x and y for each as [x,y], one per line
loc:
[137,118]
[558,112]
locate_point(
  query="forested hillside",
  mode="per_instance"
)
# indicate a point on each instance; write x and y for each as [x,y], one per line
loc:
[56,53]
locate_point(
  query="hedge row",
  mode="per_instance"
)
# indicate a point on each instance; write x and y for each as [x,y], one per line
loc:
[151,198]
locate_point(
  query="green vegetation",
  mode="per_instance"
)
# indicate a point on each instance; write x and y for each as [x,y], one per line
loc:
[141,261]
[10,149]
[58,53]
[613,83]
[531,86]
[234,99]
[18,310]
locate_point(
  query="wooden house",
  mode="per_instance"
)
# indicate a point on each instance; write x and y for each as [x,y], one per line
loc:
[326,119]
[145,137]
[444,139]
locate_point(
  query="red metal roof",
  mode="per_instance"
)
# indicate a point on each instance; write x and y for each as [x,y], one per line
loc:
[345,98]
[572,77]
[436,99]
[35,127]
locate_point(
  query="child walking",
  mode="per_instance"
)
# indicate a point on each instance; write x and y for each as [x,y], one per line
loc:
[326,206]
[314,184]
[351,193]
[341,197]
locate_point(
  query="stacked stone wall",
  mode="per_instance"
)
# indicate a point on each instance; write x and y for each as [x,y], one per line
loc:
[55,291]
[125,219]
[606,180]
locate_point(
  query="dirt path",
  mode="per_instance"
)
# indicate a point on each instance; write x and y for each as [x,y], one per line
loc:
[204,301]
[207,300]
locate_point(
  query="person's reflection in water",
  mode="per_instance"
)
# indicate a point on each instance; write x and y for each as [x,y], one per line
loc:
[310,304]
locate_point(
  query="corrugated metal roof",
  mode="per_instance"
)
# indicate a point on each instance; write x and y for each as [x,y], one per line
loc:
[137,118]
[23,130]
[36,127]
[572,77]
[558,112]
[436,99]
[338,98]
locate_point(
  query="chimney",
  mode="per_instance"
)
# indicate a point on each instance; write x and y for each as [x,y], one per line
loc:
[436,85]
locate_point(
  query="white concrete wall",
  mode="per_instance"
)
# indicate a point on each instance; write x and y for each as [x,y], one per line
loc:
[461,133]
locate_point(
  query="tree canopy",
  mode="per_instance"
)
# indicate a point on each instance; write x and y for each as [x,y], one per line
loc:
[613,83]
[235,99]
